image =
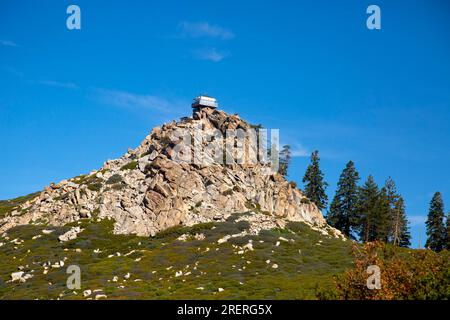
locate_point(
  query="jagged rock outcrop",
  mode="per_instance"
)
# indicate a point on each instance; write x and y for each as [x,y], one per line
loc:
[149,189]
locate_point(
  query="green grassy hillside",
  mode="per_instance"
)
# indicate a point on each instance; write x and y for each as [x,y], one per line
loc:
[284,264]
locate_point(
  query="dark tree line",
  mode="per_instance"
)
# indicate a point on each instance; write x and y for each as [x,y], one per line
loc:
[368,212]
[380,214]
[365,212]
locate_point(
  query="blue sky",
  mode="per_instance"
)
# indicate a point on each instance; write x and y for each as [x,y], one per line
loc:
[71,99]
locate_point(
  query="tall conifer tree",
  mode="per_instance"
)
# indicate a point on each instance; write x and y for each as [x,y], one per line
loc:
[398,229]
[368,197]
[343,208]
[401,235]
[381,217]
[285,159]
[435,224]
[314,183]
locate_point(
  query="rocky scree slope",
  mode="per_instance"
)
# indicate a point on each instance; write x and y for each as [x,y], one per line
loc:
[147,190]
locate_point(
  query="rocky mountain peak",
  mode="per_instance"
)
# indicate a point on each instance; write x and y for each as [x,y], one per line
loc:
[192,171]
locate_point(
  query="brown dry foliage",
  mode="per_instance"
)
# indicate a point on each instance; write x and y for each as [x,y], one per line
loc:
[405,274]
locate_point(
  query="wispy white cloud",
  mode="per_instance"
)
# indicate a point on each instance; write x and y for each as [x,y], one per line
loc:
[417,220]
[204,29]
[299,151]
[51,83]
[8,43]
[210,54]
[136,101]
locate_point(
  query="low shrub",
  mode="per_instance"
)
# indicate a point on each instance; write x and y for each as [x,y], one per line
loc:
[228,192]
[116,178]
[305,201]
[130,166]
[95,186]
[405,274]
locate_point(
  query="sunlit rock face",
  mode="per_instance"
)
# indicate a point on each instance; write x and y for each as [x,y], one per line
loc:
[185,172]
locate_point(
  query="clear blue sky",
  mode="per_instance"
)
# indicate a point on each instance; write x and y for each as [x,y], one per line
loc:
[71,99]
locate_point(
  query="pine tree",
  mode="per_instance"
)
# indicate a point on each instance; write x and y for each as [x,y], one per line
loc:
[402,237]
[336,216]
[368,197]
[398,229]
[393,197]
[314,184]
[343,208]
[285,159]
[435,224]
[381,217]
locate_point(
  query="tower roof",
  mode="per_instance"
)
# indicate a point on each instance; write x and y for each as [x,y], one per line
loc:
[204,101]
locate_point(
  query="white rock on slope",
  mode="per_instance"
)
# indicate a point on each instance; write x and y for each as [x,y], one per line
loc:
[70,235]
[20,276]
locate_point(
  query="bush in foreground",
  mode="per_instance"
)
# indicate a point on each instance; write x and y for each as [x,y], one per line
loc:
[405,274]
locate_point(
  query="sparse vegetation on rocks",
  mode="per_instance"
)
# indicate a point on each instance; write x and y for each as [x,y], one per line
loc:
[130,166]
